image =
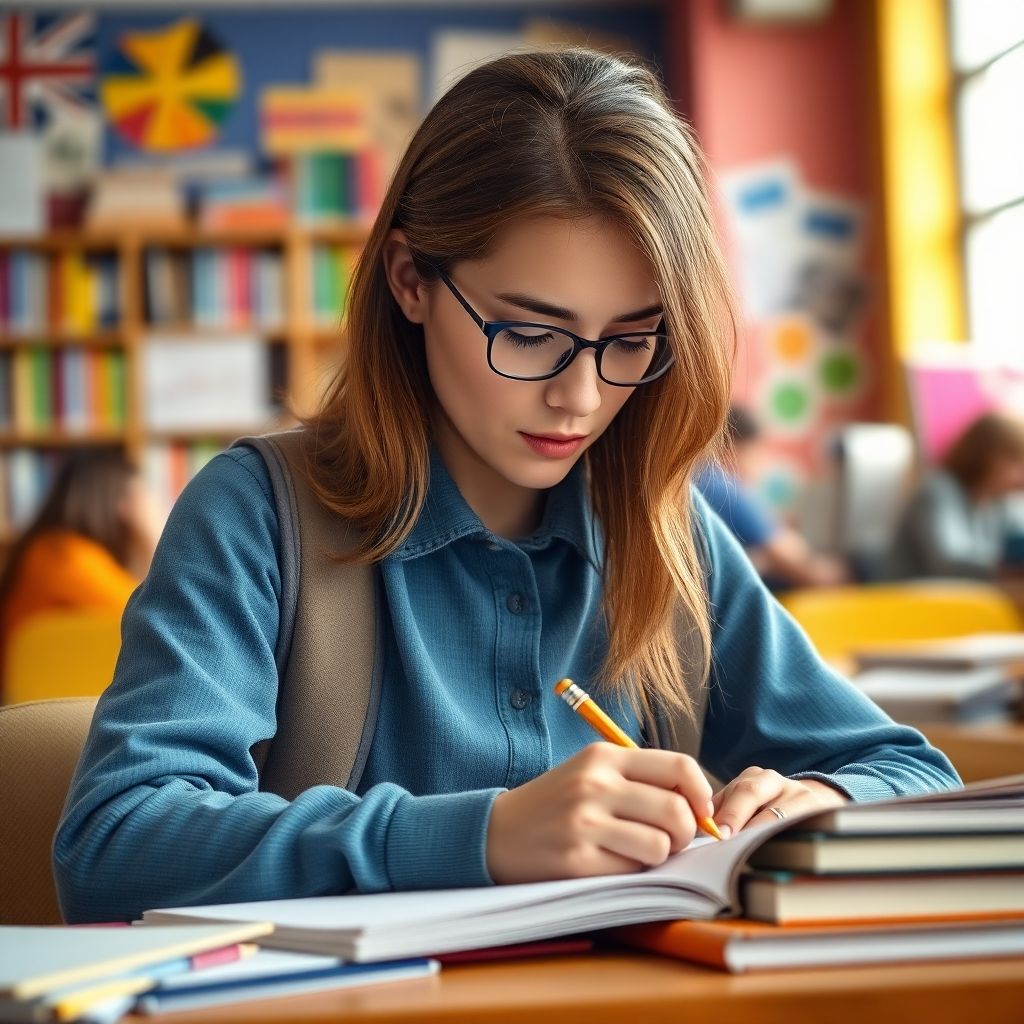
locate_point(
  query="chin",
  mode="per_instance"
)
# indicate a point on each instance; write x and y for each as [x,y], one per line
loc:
[536,473]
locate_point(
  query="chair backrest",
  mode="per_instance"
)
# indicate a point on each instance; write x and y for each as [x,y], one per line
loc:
[876,468]
[40,743]
[61,654]
[841,620]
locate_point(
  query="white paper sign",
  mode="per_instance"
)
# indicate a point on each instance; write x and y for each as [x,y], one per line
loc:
[196,384]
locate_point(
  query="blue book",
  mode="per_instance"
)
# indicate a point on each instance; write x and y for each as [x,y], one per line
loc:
[272,973]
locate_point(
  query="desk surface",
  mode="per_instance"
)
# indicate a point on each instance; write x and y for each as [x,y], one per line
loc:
[628,987]
[980,751]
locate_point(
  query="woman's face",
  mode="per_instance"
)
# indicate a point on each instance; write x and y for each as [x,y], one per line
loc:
[1005,477]
[583,275]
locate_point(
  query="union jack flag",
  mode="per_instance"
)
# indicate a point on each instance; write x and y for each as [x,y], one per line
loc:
[47,65]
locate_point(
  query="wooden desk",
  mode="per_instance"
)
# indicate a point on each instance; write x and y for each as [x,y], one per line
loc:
[981,751]
[612,988]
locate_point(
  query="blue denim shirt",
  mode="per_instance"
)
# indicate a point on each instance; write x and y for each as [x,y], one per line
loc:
[164,809]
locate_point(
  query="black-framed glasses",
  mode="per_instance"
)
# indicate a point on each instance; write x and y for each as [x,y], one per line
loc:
[521,350]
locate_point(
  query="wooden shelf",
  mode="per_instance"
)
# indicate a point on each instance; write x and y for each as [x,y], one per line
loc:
[297,348]
[213,433]
[61,439]
[63,339]
[194,332]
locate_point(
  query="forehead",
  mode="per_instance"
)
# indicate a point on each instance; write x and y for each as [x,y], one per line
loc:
[588,265]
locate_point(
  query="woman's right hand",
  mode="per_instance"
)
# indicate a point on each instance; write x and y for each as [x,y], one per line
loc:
[607,810]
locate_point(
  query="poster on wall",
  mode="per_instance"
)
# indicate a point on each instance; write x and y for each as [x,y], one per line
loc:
[455,52]
[799,257]
[170,89]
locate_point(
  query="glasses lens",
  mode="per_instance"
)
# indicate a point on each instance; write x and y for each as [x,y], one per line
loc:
[634,358]
[524,351]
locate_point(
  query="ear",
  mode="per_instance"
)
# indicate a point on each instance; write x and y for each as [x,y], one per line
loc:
[406,285]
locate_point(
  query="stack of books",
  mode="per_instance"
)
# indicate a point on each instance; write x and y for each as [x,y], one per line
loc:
[906,892]
[96,975]
[968,680]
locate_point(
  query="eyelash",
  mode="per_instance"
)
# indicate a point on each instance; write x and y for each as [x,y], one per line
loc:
[524,342]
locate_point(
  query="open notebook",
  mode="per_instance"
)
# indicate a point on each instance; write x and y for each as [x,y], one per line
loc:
[700,882]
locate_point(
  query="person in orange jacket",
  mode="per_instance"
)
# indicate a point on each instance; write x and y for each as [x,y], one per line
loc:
[89,545]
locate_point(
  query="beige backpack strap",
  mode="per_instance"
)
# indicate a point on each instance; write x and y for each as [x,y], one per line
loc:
[329,669]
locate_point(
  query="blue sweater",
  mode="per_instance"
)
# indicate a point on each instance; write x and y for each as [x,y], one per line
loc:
[165,810]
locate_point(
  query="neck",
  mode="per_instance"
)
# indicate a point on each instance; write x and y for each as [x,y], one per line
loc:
[505,508]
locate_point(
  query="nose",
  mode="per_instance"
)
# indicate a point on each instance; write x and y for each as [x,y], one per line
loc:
[577,389]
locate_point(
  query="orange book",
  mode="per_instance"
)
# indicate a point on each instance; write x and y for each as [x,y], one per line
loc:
[739,944]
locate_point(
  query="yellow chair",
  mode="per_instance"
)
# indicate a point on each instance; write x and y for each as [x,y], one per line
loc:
[40,743]
[841,620]
[61,654]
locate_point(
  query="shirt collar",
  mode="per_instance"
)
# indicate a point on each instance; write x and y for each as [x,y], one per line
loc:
[446,517]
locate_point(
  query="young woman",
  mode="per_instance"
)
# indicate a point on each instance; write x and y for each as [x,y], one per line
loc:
[87,547]
[539,346]
[958,523]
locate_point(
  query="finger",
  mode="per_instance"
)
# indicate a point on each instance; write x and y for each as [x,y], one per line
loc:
[595,860]
[659,808]
[789,805]
[669,770]
[643,845]
[746,795]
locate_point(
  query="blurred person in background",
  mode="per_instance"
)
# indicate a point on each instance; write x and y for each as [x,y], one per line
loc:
[779,553]
[89,545]
[959,521]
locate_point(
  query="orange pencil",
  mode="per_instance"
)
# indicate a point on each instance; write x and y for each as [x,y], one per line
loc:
[586,707]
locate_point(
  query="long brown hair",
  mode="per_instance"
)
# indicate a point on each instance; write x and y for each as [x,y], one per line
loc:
[989,438]
[571,133]
[83,499]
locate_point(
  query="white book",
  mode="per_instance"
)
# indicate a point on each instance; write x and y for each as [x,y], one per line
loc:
[974,651]
[701,882]
[938,694]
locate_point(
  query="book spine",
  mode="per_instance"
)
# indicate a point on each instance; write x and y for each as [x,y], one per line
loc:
[5,291]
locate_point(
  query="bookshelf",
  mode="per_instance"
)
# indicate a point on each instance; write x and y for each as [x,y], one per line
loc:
[91,323]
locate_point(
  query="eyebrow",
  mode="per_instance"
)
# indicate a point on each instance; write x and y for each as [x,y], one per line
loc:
[542,308]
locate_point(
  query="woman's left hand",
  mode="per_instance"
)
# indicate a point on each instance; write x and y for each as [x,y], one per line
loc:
[747,799]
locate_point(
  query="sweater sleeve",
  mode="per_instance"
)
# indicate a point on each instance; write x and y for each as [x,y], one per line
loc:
[773,702]
[165,808]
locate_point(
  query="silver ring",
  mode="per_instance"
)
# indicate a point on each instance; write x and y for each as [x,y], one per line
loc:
[778,812]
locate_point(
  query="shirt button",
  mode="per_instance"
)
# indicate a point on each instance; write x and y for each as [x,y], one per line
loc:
[491,546]
[516,603]
[519,699]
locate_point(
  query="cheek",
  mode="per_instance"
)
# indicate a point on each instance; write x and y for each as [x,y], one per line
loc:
[466,387]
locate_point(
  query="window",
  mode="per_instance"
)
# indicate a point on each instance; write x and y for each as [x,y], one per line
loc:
[987,39]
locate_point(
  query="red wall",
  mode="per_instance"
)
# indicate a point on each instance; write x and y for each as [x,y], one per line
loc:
[806,92]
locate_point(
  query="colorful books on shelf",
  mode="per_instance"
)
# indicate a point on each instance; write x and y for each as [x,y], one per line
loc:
[218,288]
[330,186]
[332,268]
[76,390]
[242,203]
[70,292]
[169,465]
[701,882]
[25,477]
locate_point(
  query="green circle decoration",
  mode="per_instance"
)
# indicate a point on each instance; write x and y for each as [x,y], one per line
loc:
[790,401]
[840,372]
